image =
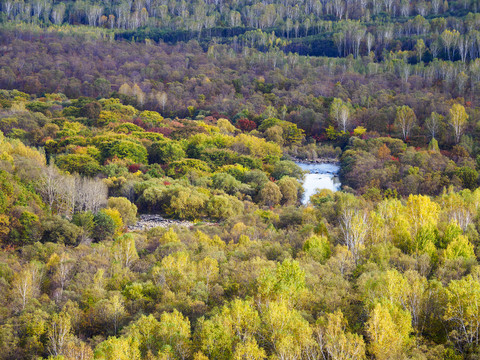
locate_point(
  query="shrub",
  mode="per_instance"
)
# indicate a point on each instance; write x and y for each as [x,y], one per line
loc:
[123,149]
[223,207]
[127,210]
[225,182]
[165,152]
[60,231]
[104,226]
[78,163]
[287,168]
[270,195]
[317,247]
[289,188]
[187,203]
[182,167]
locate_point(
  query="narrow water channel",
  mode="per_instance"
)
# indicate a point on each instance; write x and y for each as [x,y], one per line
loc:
[319,176]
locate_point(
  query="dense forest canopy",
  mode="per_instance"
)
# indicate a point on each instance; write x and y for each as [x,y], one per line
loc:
[195,113]
[441,28]
[183,80]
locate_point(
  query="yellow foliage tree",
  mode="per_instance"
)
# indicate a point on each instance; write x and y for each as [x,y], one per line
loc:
[117,219]
[335,342]
[388,329]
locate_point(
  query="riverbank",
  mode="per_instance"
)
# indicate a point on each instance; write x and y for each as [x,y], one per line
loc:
[333,161]
[150,221]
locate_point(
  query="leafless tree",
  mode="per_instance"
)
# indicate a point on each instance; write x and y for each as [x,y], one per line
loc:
[91,194]
[433,124]
[57,190]
[354,227]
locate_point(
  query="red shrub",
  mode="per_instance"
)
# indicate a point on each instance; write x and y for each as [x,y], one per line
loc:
[134,168]
[164,131]
[139,122]
[246,125]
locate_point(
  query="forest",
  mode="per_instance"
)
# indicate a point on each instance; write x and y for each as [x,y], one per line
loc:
[201,112]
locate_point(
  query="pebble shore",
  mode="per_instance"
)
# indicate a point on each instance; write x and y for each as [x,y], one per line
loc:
[149,221]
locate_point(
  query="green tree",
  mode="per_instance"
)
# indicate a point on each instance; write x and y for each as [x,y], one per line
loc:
[146,332]
[285,283]
[122,149]
[225,182]
[59,230]
[233,327]
[104,226]
[169,237]
[165,152]
[127,210]
[82,164]
[317,247]
[187,203]
[468,176]
[289,188]
[420,49]
[270,195]
[291,133]
[223,207]
[178,271]
[287,168]
[86,221]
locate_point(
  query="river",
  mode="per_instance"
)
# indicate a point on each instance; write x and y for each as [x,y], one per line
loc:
[319,176]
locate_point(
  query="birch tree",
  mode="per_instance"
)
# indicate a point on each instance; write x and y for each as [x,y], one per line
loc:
[354,227]
[59,334]
[334,342]
[458,120]
[340,113]
[124,250]
[388,329]
[405,120]
[463,310]
[433,124]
